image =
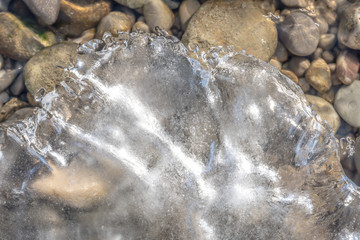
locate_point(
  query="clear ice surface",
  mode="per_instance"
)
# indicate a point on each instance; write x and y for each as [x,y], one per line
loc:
[140,141]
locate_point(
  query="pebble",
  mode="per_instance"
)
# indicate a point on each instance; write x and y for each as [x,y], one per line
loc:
[18,86]
[317,53]
[347,103]
[347,66]
[113,23]
[158,14]
[42,70]
[318,75]
[11,107]
[305,86]
[19,42]
[275,63]
[172,4]
[141,26]
[290,75]
[281,53]
[323,25]
[216,23]
[132,3]
[329,96]
[349,27]
[46,11]
[325,110]
[299,33]
[4,5]
[327,41]
[299,65]
[87,35]
[76,187]
[328,56]
[4,97]
[332,67]
[295,3]
[129,13]
[75,18]
[7,77]
[186,10]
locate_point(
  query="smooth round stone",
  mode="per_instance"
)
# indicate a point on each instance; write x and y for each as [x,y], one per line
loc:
[18,41]
[325,110]
[132,3]
[7,77]
[347,66]
[290,75]
[76,17]
[158,14]
[318,75]
[323,25]
[113,23]
[43,71]
[347,103]
[328,96]
[4,97]
[130,13]
[305,86]
[328,56]
[140,26]
[172,4]
[87,35]
[349,27]
[18,86]
[186,10]
[299,65]
[11,107]
[295,3]
[275,63]
[226,23]
[281,53]
[327,41]
[46,11]
[299,33]
[317,54]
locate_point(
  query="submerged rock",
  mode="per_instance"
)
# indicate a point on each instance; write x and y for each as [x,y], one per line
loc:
[228,150]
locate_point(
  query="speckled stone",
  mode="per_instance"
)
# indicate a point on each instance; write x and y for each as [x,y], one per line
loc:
[318,75]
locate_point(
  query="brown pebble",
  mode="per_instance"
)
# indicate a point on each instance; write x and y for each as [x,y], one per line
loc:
[290,75]
[11,107]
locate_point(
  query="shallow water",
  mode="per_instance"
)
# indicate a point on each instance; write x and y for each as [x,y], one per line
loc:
[142,141]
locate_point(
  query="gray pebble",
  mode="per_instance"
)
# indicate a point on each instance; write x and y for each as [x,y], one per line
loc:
[172,4]
[4,97]
[347,103]
[7,77]
[46,11]
[18,86]
[299,33]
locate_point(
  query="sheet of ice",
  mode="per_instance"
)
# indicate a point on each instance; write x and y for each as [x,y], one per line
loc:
[230,151]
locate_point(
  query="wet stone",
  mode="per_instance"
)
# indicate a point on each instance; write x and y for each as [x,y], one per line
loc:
[347,103]
[10,108]
[349,27]
[7,77]
[140,26]
[325,110]
[158,14]
[132,3]
[299,33]
[281,54]
[113,23]
[327,41]
[47,11]
[290,75]
[76,17]
[19,42]
[187,9]
[18,86]
[299,65]
[295,3]
[318,75]
[227,23]
[347,66]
